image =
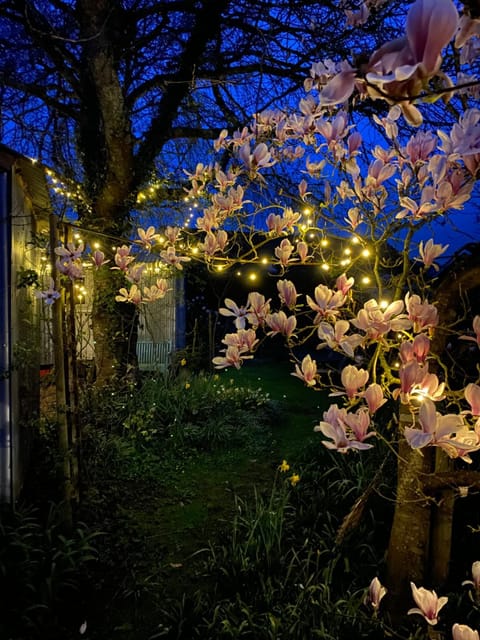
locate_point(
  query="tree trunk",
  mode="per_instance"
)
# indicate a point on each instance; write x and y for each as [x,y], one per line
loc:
[115,328]
[408,549]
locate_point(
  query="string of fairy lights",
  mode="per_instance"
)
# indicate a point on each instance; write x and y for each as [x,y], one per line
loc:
[329,254]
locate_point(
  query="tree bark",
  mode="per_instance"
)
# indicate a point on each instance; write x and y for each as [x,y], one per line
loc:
[408,548]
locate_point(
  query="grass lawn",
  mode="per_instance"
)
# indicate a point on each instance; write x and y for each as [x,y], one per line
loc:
[302,408]
[160,507]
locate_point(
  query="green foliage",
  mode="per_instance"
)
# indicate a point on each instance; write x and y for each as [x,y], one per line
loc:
[193,411]
[281,572]
[27,278]
[42,572]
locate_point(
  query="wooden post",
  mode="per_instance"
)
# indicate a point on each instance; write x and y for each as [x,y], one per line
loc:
[61,382]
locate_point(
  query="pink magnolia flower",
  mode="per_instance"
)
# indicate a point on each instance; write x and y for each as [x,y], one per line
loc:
[358,423]
[150,294]
[376,591]
[48,295]
[475,581]
[302,250]
[410,374]
[98,259]
[232,358]
[435,428]
[232,309]
[134,272]
[344,284]
[287,293]
[259,159]
[420,147]
[326,303]
[430,252]
[284,251]
[422,314]
[335,337]
[338,439]
[133,295]
[280,323]
[464,632]
[400,69]
[429,387]
[307,372]
[169,256]
[70,252]
[334,427]
[172,234]
[428,603]
[357,18]
[71,268]
[472,396]
[476,328]
[376,322]
[464,140]
[275,224]
[258,309]
[421,347]
[148,238]
[353,378]
[373,396]
[123,258]
[244,340]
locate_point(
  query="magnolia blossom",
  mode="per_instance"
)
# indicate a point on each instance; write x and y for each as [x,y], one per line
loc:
[259,159]
[376,591]
[287,293]
[476,328]
[284,251]
[244,340]
[376,322]
[358,423]
[302,250]
[464,140]
[98,258]
[357,18]
[48,295]
[335,337]
[422,314]
[133,295]
[258,309]
[428,603]
[279,322]
[449,432]
[233,358]
[122,258]
[169,256]
[399,70]
[353,378]
[232,309]
[464,632]
[326,303]
[373,396]
[70,252]
[475,581]
[148,238]
[307,372]
[430,252]
[472,396]
[344,284]
[157,291]
[341,436]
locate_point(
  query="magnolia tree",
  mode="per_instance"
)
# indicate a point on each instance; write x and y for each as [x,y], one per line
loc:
[355,216]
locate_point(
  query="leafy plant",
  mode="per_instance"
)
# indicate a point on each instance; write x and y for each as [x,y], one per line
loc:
[43,574]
